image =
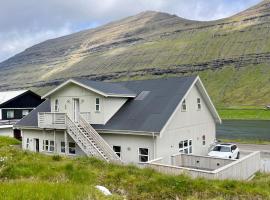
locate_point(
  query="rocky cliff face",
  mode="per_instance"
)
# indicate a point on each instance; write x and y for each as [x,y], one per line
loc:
[232,55]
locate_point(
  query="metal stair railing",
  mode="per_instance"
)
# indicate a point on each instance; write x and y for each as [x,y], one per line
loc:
[103,145]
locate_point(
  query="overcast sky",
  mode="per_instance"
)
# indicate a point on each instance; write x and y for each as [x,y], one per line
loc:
[24,23]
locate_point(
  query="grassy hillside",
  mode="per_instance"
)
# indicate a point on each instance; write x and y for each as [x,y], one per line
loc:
[232,55]
[25,175]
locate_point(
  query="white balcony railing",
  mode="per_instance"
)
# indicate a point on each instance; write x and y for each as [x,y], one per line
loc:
[52,120]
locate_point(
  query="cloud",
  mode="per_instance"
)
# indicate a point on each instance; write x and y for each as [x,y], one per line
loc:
[24,23]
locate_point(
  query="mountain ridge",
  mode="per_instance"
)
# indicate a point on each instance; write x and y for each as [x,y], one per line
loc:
[153,44]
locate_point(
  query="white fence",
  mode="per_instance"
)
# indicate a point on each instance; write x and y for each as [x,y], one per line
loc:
[207,167]
[52,120]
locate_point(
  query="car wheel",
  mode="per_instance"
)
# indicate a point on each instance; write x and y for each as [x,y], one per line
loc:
[238,155]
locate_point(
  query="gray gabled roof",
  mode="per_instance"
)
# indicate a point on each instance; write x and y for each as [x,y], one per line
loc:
[106,87]
[103,88]
[148,112]
[151,109]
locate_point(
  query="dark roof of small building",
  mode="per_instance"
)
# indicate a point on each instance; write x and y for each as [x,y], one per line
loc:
[6,96]
[31,120]
[155,102]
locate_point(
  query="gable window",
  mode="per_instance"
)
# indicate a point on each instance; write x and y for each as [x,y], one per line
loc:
[185,146]
[10,114]
[184,106]
[97,104]
[203,140]
[25,112]
[72,148]
[143,154]
[48,145]
[63,147]
[199,105]
[56,105]
[117,150]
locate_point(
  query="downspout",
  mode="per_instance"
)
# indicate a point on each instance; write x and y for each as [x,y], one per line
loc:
[154,141]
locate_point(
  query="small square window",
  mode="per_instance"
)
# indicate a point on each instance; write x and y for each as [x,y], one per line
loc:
[25,112]
[72,148]
[143,155]
[117,150]
[10,114]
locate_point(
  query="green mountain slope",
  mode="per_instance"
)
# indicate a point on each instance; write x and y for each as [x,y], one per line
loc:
[232,55]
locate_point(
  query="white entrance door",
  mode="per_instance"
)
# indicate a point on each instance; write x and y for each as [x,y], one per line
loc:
[76,109]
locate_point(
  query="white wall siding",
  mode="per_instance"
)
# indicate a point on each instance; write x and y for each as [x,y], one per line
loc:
[130,145]
[59,137]
[108,106]
[6,130]
[191,124]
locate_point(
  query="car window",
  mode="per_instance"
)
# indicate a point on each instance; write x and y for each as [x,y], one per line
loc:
[234,147]
[222,149]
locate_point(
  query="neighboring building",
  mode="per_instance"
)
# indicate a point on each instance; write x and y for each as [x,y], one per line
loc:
[135,120]
[14,105]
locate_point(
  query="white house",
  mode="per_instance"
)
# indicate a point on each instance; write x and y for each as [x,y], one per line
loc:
[135,121]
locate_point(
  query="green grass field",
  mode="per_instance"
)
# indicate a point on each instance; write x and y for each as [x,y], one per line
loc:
[31,176]
[246,114]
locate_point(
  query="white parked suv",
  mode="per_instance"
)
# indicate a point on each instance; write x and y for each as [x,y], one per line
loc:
[225,150]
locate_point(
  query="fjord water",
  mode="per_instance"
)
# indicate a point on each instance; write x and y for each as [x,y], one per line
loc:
[244,129]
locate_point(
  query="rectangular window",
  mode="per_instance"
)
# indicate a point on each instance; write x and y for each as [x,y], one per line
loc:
[143,154]
[25,112]
[97,104]
[117,150]
[203,140]
[184,106]
[199,105]
[185,146]
[56,105]
[71,148]
[27,143]
[48,145]
[63,147]
[10,114]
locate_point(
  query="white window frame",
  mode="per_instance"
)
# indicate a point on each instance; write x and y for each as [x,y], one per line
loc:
[204,140]
[199,104]
[139,155]
[23,114]
[62,147]
[48,146]
[119,153]
[69,148]
[186,149]
[27,143]
[8,114]
[184,106]
[97,104]
[56,105]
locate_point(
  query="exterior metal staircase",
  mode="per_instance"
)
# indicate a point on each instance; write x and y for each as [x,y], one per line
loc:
[90,141]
